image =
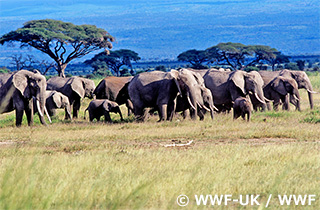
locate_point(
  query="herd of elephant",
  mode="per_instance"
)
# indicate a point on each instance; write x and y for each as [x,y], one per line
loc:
[185,90]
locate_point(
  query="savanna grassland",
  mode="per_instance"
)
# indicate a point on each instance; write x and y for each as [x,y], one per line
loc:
[82,165]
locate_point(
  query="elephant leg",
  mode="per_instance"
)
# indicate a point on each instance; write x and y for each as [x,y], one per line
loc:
[51,112]
[243,115]
[19,115]
[129,106]
[201,115]
[295,102]
[119,111]
[285,101]
[268,106]
[29,112]
[248,116]
[235,115]
[162,112]
[170,110]
[66,115]
[185,113]
[276,103]
[91,117]
[76,107]
[107,117]
[139,112]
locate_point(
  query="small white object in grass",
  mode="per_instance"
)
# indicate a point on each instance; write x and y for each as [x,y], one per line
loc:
[178,145]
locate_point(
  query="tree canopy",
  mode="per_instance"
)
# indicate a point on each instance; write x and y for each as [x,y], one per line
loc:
[239,56]
[62,41]
[113,60]
[195,57]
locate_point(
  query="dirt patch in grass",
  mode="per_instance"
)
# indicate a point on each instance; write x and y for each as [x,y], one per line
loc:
[178,143]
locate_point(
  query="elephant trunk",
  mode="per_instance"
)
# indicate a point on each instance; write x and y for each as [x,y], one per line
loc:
[40,101]
[310,98]
[248,116]
[211,111]
[68,112]
[119,111]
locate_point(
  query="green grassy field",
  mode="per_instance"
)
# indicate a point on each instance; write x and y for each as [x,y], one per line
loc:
[82,165]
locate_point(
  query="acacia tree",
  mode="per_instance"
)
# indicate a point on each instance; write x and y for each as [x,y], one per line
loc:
[195,57]
[113,60]
[239,56]
[62,41]
[22,62]
[280,58]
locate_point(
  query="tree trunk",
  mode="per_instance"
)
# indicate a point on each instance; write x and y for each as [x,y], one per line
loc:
[60,69]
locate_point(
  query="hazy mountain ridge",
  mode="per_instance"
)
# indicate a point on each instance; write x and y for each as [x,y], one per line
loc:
[163,29]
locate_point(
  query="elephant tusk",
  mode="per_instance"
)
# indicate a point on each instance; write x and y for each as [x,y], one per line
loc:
[199,105]
[268,100]
[256,95]
[189,100]
[46,111]
[310,91]
[214,107]
[206,108]
[295,97]
[38,107]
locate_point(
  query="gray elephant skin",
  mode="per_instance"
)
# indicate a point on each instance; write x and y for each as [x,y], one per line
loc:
[278,90]
[75,88]
[115,89]
[226,87]
[102,107]
[159,90]
[255,102]
[16,93]
[300,77]
[242,106]
[56,100]
[203,96]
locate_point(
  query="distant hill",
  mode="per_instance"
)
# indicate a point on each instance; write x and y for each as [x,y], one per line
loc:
[160,30]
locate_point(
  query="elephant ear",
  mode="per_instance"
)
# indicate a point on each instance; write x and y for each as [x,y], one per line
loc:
[238,80]
[279,86]
[77,85]
[174,74]
[20,81]
[107,105]
[56,97]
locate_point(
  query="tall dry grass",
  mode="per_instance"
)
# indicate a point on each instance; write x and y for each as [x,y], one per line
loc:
[82,165]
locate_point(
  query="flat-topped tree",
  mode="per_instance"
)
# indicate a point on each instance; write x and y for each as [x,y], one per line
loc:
[195,57]
[62,41]
[239,56]
[113,60]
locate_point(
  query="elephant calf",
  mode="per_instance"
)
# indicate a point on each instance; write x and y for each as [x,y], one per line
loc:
[242,106]
[56,100]
[99,107]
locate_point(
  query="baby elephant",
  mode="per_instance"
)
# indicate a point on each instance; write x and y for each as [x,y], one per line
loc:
[241,107]
[56,100]
[99,107]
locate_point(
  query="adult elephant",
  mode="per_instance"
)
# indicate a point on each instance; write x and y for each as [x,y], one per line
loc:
[17,91]
[300,77]
[227,86]
[115,89]
[203,96]
[159,90]
[278,90]
[75,88]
